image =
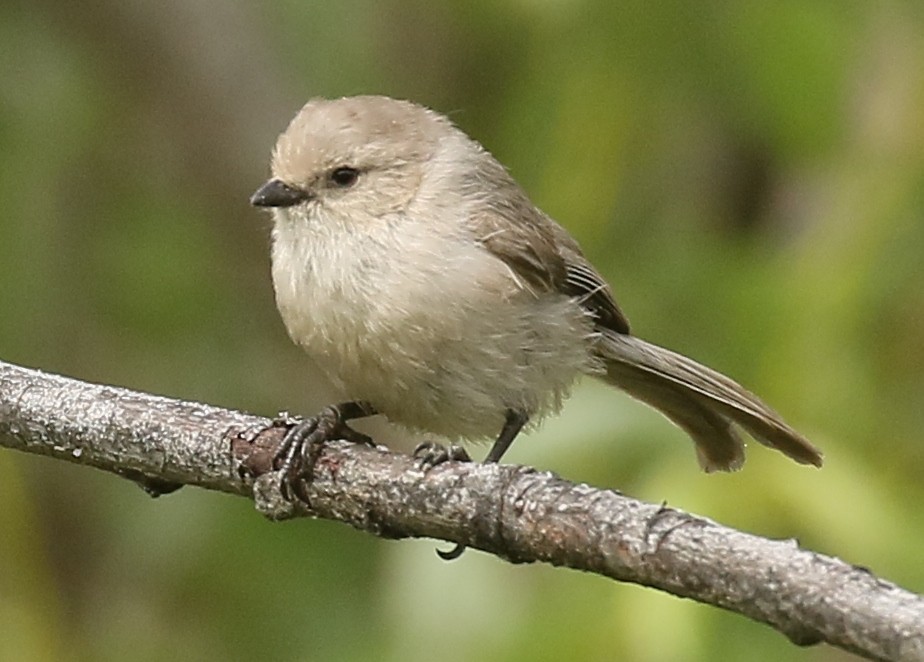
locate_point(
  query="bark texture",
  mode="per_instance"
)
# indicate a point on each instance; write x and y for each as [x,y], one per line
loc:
[514,512]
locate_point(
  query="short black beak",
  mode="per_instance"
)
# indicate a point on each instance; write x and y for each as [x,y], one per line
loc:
[276,193]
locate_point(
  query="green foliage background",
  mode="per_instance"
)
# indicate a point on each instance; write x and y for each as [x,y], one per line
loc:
[750,177]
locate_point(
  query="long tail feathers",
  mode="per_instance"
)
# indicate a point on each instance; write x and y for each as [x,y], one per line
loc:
[703,402]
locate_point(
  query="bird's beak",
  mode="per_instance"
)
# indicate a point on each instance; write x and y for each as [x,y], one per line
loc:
[276,193]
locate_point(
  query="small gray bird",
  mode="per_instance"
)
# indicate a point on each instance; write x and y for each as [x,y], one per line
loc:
[419,276]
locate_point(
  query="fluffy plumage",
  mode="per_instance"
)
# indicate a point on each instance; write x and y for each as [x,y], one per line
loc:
[430,286]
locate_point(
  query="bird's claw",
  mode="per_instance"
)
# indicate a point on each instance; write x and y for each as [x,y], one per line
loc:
[430,454]
[302,444]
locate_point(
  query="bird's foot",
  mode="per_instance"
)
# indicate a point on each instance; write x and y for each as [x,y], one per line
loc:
[430,454]
[302,445]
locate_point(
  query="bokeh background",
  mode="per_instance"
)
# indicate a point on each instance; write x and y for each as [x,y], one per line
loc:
[750,177]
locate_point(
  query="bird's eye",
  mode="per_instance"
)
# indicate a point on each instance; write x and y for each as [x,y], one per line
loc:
[344,176]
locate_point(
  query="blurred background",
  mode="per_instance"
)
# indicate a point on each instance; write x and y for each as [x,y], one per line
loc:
[749,178]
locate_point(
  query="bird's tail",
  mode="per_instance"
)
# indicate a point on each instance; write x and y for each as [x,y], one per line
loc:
[705,403]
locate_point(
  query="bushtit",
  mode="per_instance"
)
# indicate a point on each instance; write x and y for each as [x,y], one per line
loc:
[418,275]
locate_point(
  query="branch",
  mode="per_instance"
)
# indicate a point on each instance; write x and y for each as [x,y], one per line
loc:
[514,512]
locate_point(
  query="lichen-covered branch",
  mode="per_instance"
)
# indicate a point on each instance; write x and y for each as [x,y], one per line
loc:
[514,512]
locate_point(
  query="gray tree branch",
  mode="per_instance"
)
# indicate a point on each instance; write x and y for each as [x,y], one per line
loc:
[513,512]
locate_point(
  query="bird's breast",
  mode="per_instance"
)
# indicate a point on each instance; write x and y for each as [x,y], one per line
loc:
[434,331]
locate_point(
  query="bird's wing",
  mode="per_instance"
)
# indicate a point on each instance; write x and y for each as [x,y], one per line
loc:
[546,258]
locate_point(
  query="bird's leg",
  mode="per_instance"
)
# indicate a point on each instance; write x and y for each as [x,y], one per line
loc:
[302,444]
[513,423]
[430,454]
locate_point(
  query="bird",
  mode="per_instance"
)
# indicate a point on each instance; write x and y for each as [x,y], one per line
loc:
[419,276]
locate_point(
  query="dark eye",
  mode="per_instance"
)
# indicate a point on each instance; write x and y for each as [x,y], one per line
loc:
[344,176]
